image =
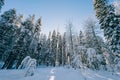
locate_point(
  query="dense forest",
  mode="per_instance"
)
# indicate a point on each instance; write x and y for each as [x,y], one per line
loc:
[20,38]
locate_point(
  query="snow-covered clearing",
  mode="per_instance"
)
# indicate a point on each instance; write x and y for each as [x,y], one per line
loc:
[58,73]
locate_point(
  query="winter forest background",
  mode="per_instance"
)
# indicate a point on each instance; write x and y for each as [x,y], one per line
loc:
[22,39]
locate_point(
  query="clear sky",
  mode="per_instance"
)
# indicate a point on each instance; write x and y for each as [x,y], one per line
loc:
[55,13]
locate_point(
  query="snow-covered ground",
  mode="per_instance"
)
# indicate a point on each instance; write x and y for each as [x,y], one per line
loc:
[58,73]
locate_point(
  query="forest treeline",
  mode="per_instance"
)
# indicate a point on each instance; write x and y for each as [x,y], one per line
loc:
[20,38]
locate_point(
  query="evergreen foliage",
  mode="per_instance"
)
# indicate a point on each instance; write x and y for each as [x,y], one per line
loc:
[19,39]
[109,22]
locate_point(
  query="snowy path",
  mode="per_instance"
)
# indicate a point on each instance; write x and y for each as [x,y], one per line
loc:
[52,77]
[59,73]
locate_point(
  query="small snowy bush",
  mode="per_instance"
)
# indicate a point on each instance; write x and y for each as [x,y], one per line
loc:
[91,57]
[24,62]
[29,65]
[77,62]
[91,53]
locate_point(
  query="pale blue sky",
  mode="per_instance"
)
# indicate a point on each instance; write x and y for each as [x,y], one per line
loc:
[55,13]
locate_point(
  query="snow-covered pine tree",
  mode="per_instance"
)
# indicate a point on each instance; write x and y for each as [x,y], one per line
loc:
[21,46]
[70,44]
[92,41]
[35,46]
[81,39]
[7,32]
[16,50]
[28,30]
[48,47]
[57,57]
[59,49]
[109,22]
[37,56]
[77,61]
[43,51]
[64,55]
[53,48]
[81,51]
[18,21]
[91,36]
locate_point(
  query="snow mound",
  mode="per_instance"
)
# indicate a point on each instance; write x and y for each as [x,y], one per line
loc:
[29,65]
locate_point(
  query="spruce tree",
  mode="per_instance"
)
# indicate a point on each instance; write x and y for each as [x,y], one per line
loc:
[49,48]
[15,52]
[109,22]
[8,32]
[64,55]
[35,46]
[20,49]
[81,39]
[59,49]
[53,48]
[27,31]
[70,44]
[92,41]
[91,35]
[43,51]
